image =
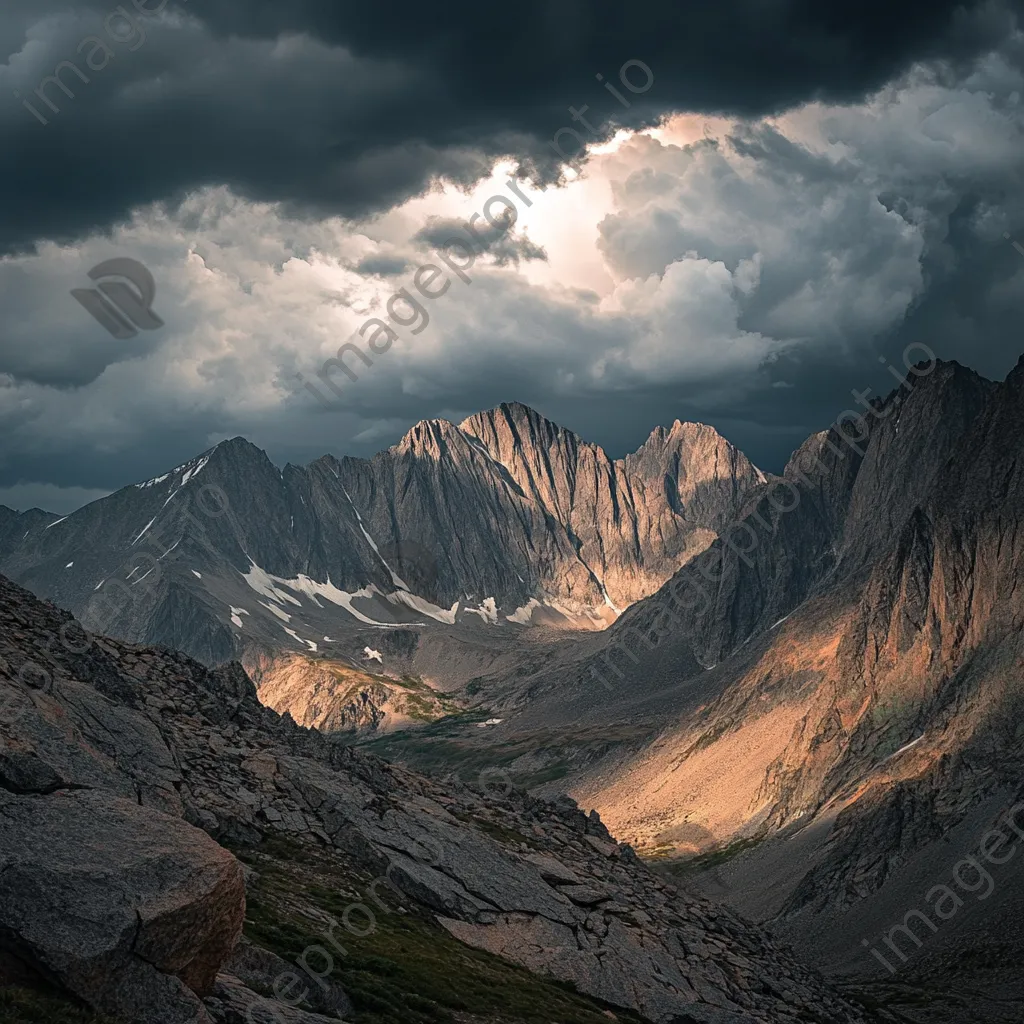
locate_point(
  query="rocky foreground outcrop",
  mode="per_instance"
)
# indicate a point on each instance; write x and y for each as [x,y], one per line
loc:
[129,909]
[115,757]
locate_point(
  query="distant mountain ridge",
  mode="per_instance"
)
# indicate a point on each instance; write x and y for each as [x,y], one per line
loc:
[504,519]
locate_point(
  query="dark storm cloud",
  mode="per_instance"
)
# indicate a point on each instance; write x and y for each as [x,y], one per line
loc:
[383,266]
[351,108]
[499,240]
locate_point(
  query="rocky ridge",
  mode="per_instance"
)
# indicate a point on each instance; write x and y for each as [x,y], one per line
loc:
[173,753]
[504,520]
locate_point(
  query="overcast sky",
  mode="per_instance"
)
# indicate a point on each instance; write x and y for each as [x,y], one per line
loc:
[801,190]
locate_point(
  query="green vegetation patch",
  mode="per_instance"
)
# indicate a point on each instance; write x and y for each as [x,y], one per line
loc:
[408,970]
[702,862]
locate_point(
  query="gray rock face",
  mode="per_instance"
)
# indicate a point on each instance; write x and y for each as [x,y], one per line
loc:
[505,515]
[130,910]
[492,866]
[258,969]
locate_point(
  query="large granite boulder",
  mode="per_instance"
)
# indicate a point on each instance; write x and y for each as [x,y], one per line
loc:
[129,909]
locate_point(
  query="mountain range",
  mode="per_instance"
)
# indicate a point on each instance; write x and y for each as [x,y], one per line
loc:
[504,518]
[810,682]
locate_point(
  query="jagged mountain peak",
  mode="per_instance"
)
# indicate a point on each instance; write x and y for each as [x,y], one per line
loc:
[235,444]
[684,431]
[236,451]
[429,437]
[702,475]
[35,510]
[1017,373]
[522,424]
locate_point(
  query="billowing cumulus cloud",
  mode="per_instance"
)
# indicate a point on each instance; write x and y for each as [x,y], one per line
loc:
[748,276]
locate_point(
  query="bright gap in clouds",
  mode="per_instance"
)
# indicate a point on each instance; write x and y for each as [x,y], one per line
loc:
[564,220]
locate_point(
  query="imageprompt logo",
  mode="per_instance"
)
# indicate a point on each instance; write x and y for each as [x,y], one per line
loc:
[122,300]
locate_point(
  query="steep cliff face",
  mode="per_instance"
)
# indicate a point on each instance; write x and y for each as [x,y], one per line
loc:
[502,521]
[931,664]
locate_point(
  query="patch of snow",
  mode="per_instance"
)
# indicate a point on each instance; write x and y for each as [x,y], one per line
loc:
[423,606]
[490,721]
[189,474]
[780,622]
[295,636]
[68,566]
[170,549]
[477,445]
[524,614]
[395,578]
[371,655]
[100,584]
[143,576]
[270,587]
[138,536]
[906,746]
[236,614]
[155,480]
[488,610]
[54,523]
[274,610]
[263,583]
[607,599]
[198,575]
[327,639]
